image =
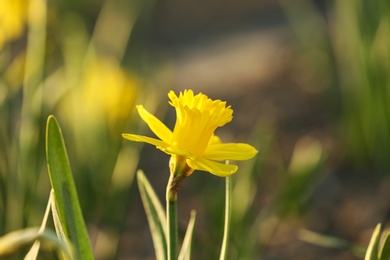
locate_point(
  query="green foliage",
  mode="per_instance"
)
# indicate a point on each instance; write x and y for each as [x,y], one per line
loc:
[306,161]
[157,219]
[67,204]
[18,240]
[330,242]
[379,247]
[347,55]
[155,215]
[362,60]
[185,252]
[385,246]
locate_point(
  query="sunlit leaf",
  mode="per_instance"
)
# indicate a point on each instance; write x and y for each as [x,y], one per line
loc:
[185,252]
[384,251]
[65,193]
[32,254]
[322,240]
[59,226]
[372,250]
[155,215]
[18,240]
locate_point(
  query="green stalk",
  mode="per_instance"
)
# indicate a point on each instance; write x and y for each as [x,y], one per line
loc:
[179,170]
[226,230]
[172,220]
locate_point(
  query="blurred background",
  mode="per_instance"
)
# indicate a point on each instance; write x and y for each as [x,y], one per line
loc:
[309,84]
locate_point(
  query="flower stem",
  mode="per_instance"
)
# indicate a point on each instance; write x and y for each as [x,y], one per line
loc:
[179,170]
[172,230]
[172,220]
[226,230]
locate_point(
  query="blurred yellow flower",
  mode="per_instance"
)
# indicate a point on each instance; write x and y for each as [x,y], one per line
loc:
[192,141]
[104,96]
[107,90]
[13,16]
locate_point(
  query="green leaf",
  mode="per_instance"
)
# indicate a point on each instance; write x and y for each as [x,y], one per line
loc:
[155,215]
[384,252]
[59,226]
[65,193]
[33,252]
[322,240]
[18,240]
[372,250]
[185,252]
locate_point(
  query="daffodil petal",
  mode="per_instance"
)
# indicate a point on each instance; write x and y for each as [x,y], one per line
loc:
[140,138]
[158,127]
[219,169]
[174,150]
[229,151]
[214,140]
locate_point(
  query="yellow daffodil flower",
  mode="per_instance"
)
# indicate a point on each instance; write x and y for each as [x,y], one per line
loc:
[192,144]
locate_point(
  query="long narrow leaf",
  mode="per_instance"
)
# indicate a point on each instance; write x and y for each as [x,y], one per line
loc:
[65,191]
[33,252]
[15,241]
[59,226]
[384,251]
[185,252]
[372,249]
[155,215]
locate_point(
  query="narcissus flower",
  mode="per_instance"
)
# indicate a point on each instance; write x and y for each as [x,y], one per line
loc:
[192,144]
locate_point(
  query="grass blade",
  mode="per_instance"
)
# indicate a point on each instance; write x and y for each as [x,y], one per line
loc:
[185,252]
[15,241]
[372,249]
[65,191]
[18,240]
[155,215]
[33,252]
[384,251]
